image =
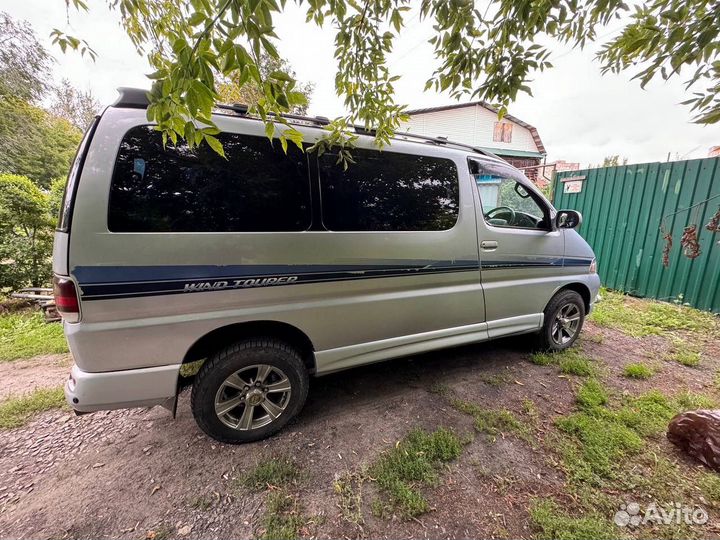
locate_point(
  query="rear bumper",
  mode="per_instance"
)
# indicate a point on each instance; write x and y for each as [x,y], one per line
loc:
[88,392]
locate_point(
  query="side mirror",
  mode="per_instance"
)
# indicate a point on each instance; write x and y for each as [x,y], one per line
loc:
[568,219]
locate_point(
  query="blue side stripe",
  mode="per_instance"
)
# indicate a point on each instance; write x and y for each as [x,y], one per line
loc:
[105,282]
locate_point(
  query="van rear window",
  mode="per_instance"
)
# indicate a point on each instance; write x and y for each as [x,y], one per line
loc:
[174,189]
[388,191]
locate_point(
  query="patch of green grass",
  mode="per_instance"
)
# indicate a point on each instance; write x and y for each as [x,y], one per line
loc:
[577,366]
[531,410]
[275,472]
[684,353]
[15,411]
[26,334]
[709,483]
[494,422]
[552,523]
[496,380]
[348,487]
[645,317]
[282,519]
[687,401]
[637,371]
[596,439]
[413,462]
[592,394]
[571,361]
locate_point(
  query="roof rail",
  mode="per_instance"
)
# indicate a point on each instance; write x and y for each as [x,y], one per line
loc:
[243,110]
[138,98]
[443,141]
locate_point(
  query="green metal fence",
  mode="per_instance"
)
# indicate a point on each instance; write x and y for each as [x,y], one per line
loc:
[623,208]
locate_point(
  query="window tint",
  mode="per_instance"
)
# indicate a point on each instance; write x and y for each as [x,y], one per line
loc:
[387,191]
[174,189]
[506,202]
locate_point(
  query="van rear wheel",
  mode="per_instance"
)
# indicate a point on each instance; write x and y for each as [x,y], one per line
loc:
[563,321]
[249,390]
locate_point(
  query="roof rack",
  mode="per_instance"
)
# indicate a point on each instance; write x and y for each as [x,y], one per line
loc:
[138,98]
[443,141]
[242,109]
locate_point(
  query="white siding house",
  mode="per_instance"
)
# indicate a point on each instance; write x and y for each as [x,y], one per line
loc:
[477,124]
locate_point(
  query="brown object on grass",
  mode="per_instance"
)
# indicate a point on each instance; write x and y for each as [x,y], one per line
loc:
[697,433]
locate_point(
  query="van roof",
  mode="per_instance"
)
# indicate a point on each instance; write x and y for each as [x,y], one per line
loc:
[137,98]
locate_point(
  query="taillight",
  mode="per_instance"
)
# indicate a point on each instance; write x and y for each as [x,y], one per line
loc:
[593,267]
[66,300]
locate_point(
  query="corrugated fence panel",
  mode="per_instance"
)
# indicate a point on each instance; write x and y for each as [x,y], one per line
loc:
[623,208]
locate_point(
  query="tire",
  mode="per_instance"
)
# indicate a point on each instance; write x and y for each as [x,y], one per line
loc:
[561,337]
[258,385]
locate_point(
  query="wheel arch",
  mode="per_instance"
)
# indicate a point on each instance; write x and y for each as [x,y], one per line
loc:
[580,288]
[226,335]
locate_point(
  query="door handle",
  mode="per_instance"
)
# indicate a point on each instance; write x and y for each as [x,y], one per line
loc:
[489,244]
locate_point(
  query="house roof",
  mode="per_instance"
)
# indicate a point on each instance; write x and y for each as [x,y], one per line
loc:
[532,129]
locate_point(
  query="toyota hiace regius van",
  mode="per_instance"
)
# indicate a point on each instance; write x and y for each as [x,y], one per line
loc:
[273,267]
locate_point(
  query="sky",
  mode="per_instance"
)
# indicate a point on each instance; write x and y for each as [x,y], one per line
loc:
[581,115]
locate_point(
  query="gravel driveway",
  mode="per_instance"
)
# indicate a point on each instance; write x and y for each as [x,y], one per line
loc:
[139,473]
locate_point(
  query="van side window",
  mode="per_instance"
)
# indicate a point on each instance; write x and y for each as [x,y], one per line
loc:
[506,203]
[175,189]
[388,191]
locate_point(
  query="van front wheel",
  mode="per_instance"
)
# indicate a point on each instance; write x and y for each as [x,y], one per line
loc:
[249,390]
[564,318]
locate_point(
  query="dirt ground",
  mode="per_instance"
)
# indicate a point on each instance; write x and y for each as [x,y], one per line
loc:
[39,372]
[122,474]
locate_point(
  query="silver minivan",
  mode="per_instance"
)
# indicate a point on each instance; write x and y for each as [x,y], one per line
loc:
[268,267]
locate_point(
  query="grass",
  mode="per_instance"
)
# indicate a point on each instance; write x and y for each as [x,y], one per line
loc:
[496,380]
[412,463]
[283,518]
[15,411]
[348,488]
[494,422]
[554,524]
[684,353]
[571,361]
[650,316]
[596,439]
[26,334]
[276,472]
[709,484]
[637,371]
[530,409]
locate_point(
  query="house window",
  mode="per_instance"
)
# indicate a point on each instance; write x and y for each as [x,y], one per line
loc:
[502,132]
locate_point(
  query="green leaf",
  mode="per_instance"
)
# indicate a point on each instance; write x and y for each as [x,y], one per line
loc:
[280,76]
[215,144]
[196,18]
[269,129]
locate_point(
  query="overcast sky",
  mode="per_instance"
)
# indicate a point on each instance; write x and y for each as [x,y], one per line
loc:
[581,115]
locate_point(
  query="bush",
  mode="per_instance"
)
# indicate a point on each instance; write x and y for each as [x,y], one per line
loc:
[26,233]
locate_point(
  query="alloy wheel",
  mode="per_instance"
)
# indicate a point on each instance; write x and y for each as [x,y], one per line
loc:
[252,397]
